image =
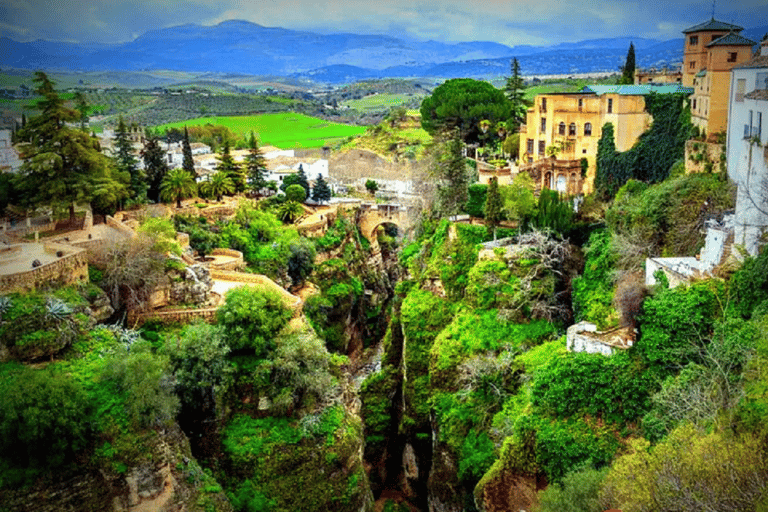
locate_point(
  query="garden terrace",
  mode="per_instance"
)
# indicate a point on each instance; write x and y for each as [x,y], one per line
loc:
[25,267]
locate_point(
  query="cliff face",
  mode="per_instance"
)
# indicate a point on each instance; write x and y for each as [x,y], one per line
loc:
[167,480]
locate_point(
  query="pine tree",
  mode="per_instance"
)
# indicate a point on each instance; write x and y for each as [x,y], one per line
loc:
[228,166]
[628,71]
[188,164]
[256,166]
[127,163]
[493,207]
[302,179]
[451,169]
[321,191]
[82,107]
[155,167]
[63,166]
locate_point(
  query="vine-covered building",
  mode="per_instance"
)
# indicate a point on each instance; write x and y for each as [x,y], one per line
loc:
[558,142]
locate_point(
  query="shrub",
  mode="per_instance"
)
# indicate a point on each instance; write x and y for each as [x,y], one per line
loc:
[579,491]
[251,318]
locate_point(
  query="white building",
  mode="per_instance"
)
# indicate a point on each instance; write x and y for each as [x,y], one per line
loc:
[9,157]
[747,148]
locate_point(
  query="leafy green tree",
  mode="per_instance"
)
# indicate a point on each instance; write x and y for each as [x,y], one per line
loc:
[229,167]
[252,318]
[256,166]
[188,164]
[460,104]
[291,179]
[371,186]
[177,185]
[45,418]
[477,194]
[628,70]
[155,166]
[128,163]
[295,193]
[63,166]
[301,261]
[321,192]
[515,91]
[493,207]
[217,185]
[519,201]
[553,212]
[579,491]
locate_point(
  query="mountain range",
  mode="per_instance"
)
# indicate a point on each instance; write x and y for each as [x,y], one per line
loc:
[244,47]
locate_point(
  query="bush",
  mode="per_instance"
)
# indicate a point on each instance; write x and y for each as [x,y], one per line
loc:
[579,491]
[252,318]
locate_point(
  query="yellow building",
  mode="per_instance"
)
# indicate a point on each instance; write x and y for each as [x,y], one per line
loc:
[709,105]
[562,129]
[697,39]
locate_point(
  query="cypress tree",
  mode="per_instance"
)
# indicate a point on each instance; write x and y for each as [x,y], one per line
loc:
[628,71]
[155,167]
[188,164]
[302,179]
[493,207]
[228,166]
[515,91]
[256,166]
[128,163]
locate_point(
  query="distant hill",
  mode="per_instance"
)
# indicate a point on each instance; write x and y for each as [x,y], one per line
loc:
[248,48]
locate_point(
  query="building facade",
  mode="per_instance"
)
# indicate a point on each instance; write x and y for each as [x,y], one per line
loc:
[747,148]
[562,131]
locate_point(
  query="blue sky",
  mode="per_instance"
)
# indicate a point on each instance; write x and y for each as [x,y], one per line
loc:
[511,22]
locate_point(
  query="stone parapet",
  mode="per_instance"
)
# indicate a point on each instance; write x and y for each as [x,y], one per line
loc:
[59,263]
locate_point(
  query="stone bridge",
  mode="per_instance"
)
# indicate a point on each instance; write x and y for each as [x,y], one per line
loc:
[370,216]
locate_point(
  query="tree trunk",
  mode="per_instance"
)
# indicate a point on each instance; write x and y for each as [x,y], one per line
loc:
[178,202]
[72,214]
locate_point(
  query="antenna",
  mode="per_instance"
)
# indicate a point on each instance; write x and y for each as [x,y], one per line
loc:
[713,9]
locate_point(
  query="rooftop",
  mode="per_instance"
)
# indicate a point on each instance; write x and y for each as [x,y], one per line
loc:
[759,94]
[712,24]
[761,61]
[634,90]
[732,39]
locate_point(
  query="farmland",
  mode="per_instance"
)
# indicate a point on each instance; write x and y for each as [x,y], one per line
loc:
[283,130]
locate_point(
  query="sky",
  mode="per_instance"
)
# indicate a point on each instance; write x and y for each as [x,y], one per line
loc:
[510,22]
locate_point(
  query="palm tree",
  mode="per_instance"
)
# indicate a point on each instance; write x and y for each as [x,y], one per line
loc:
[178,185]
[289,211]
[218,185]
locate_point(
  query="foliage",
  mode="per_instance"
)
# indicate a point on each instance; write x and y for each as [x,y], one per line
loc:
[301,260]
[163,233]
[45,418]
[518,198]
[476,203]
[579,491]
[377,408]
[450,168]
[371,186]
[749,284]
[460,104]
[493,207]
[593,291]
[251,318]
[231,169]
[628,70]
[218,184]
[127,163]
[321,192]
[689,470]
[188,164]
[476,456]
[652,156]
[295,193]
[515,91]
[155,167]
[289,211]
[201,238]
[63,165]
[177,185]
[553,212]
[255,166]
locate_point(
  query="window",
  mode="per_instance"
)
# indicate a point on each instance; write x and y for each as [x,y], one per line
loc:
[529,146]
[748,126]
[610,105]
[543,124]
[693,107]
[757,129]
[581,104]
[693,40]
[716,37]
[692,64]
[732,56]
[761,81]
[542,147]
[561,128]
[572,129]
[544,104]
[741,86]
[587,128]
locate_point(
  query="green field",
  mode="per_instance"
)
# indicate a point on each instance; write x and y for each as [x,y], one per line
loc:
[379,102]
[284,130]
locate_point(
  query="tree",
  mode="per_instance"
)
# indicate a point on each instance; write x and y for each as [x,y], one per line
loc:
[493,207]
[62,166]
[155,167]
[256,166]
[291,179]
[450,168]
[295,193]
[321,192]
[230,168]
[301,261]
[82,107]
[461,104]
[188,164]
[128,163]
[218,185]
[302,179]
[628,71]
[177,185]
[289,211]
[515,91]
[371,186]
[252,317]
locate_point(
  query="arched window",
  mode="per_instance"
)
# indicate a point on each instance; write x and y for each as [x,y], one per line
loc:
[561,129]
[587,128]
[548,180]
[561,184]
[572,129]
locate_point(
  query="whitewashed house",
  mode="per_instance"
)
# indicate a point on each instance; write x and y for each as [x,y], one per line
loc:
[747,148]
[9,157]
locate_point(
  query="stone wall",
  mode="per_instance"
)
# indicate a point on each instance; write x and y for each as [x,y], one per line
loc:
[698,154]
[210,212]
[172,316]
[239,277]
[122,228]
[72,267]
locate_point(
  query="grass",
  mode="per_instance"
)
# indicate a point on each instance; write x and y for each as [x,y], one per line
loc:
[283,130]
[377,102]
